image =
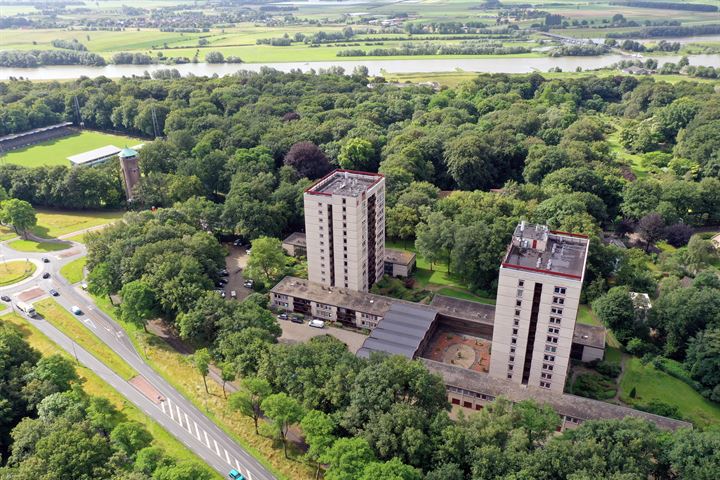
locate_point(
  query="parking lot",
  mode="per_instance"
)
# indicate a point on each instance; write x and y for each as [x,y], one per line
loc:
[235,264]
[302,332]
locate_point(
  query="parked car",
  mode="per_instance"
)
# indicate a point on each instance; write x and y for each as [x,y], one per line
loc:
[235,475]
[233,294]
[249,283]
[45,260]
[221,293]
[317,323]
[249,251]
[83,285]
[5,298]
[76,310]
[237,242]
[46,275]
[296,319]
[281,316]
[224,272]
[54,292]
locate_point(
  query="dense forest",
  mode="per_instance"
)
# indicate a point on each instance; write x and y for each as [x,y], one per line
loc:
[614,156]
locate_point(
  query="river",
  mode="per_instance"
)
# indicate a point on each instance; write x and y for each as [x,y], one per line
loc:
[375,67]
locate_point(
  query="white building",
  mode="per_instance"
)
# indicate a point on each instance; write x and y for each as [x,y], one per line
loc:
[537,305]
[345,229]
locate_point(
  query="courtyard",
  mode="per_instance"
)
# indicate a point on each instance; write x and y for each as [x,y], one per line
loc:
[459,349]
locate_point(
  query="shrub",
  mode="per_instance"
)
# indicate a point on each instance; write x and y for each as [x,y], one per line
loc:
[660,408]
[592,385]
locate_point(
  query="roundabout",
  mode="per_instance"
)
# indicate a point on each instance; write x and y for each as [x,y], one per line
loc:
[15,271]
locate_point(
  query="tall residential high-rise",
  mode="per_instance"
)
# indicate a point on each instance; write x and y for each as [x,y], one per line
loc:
[345,228]
[537,305]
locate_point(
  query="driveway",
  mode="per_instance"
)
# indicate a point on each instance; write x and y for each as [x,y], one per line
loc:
[235,262]
[296,332]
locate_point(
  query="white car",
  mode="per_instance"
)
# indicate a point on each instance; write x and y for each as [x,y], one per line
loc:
[233,294]
[83,285]
[76,310]
[317,323]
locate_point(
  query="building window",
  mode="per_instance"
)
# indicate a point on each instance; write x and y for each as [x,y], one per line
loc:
[510,367]
[509,375]
[512,358]
[550,348]
[547,366]
[513,341]
[549,358]
[560,290]
[552,339]
[554,330]
[519,292]
[521,283]
[556,310]
[515,330]
[547,376]
[518,303]
[545,384]
[517,313]
[512,349]
[555,320]
[558,300]
[516,322]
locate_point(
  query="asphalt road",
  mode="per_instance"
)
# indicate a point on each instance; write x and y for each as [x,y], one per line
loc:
[173,411]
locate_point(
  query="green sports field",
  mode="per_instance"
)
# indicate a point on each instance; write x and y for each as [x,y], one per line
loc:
[55,152]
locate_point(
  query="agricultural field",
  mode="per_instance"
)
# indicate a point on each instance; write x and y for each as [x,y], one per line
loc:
[55,152]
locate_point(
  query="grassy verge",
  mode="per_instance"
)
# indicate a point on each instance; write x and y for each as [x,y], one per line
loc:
[33,246]
[6,233]
[74,271]
[182,375]
[93,385]
[70,326]
[465,295]
[79,238]
[54,223]
[13,272]
[585,315]
[653,384]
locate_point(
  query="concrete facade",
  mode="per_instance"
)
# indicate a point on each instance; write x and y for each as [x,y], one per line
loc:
[345,229]
[537,304]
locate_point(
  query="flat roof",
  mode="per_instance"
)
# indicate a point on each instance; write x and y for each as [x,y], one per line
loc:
[564,254]
[348,183]
[13,136]
[92,155]
[400,332]
[589,335]
[464,309]
[297,239]
[343,297]
[401,257]
[564,404]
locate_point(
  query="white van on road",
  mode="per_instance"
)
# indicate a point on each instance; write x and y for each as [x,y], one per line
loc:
[26,308]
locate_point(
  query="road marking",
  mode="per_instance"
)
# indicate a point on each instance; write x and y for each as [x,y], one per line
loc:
[197,430]
[227,457]
[162,406]
[207,440]
[187,420]
[217,448]
[237,465]
[90,322]
[170,408]
[249,476]
[179,420]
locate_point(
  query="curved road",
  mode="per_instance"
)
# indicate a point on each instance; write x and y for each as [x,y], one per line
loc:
[170,409]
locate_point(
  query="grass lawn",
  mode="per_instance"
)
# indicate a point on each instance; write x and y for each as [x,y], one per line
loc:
[613,354]
[55,152]
[587,316]
[73,328]
[653,384]
[465,295]
[54,223]
[79,238]
[179,372]
[6,233]
[13,272]
[33,246]
[94,385]
[73,271]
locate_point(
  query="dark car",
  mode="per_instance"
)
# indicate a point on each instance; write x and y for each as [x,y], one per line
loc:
[282,316]
[5,298]
[45,260]
[224,272]
[296,319]
[46,275]
[53,292]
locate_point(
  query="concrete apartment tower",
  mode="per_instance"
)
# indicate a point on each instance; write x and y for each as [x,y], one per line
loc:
[537,305]
[345,228]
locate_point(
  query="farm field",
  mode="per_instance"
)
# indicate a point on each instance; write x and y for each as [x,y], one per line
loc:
[54,223]
[55,152]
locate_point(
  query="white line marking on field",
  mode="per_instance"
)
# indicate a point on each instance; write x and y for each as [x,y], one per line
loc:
[197,430]
[207,440]
[227,457]
[217,448]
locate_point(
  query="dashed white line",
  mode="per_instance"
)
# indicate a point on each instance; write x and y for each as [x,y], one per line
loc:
[227,457]
[249,476]
[162,406]
[237,465]
[217,448]
[197,430]
[207,440]
[179,420]
[187,420]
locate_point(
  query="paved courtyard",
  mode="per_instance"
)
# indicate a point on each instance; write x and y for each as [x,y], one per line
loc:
[465,351]
[296,332]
